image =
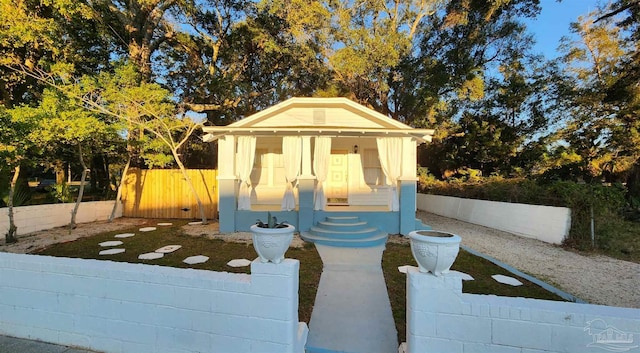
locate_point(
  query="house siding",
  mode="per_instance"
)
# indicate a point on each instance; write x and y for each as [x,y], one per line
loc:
[302,116]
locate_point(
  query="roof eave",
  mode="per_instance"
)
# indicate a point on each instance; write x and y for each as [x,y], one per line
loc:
[215,132]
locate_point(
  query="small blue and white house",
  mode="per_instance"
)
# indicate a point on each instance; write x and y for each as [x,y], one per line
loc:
[307,159]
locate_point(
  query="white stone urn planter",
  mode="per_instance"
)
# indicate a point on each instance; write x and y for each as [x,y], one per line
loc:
[272,243]
[434,251]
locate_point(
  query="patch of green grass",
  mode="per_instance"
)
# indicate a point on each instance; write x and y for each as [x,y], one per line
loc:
[221,252]
[480,269]
[620,240]
[218,251]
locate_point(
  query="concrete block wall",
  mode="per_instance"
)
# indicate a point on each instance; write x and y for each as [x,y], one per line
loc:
[440,318]
[30,219]
[121,307]
[546,223]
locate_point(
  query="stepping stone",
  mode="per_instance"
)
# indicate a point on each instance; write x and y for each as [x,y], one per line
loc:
[111,243]
[465,276]
[111,251]
[147,229]
[198,259]
[150,256]
[168,249]
[124,235]
[165,224]
[195,223]
[239,263]
[405,268]
[507,280]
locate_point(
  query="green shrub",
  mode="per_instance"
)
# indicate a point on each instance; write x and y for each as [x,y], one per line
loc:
[21,196]
[61,192]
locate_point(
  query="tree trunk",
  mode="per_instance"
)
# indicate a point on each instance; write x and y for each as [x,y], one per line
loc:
[119,193]
[58,168]
[193,189]
[140,54]
[85,170]
[93,180]
[11,236]
[107,174]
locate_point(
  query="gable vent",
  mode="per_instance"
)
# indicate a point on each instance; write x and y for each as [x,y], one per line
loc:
[319,117]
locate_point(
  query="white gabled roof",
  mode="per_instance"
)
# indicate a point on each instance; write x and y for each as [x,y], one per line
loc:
[318,116]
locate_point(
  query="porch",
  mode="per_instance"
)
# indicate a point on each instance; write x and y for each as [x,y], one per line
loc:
[303,217]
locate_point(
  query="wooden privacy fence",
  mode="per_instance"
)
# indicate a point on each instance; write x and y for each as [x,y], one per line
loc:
[164,193]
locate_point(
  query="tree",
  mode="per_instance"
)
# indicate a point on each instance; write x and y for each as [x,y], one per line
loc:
[138,28]
[504,132]
[603,131]
[477,82]
[360,42]
[239,57]
[15,146]
[149,108]
[41,33]
[624,92]
[120,97]
[65,128]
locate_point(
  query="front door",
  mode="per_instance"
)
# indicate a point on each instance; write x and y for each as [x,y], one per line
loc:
[336,188]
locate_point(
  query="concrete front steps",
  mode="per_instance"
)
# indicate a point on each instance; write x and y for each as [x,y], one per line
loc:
[346,232]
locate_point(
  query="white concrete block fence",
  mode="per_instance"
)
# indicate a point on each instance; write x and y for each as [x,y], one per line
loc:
[31,219]
[546,223]
[136,308]
[442,319]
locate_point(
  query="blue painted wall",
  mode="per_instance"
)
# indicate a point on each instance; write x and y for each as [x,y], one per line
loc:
[385,220]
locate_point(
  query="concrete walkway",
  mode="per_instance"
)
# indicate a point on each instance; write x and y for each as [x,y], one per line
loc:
[19,345]
[352,313]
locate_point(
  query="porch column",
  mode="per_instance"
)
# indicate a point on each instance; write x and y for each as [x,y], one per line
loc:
[227,194]
[227,202]
[306,187]
[407,188]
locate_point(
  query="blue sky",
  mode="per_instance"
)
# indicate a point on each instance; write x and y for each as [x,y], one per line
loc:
[553,22]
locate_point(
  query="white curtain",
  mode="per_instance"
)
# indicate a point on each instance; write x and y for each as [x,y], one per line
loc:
[292,156]
[244,164]
[321,155]
[390,154]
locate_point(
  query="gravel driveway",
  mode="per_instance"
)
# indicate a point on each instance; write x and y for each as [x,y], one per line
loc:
[596,279]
